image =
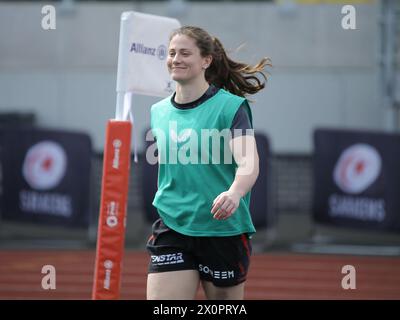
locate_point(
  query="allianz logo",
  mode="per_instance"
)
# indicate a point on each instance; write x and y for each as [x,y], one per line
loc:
[160,51]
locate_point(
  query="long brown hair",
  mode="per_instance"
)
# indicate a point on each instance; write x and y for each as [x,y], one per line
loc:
[236,77]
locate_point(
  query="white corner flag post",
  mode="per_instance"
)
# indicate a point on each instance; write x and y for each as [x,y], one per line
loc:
[143,49]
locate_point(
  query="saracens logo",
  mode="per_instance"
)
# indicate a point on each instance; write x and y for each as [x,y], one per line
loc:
[117,146]
[108,265]
[112,214]
[357,168]
[44,165]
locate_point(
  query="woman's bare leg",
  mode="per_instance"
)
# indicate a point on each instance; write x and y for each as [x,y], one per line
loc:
[173,285]
[223,293]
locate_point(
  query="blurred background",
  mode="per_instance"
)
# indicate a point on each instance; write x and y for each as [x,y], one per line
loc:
[323,76]
[334,84]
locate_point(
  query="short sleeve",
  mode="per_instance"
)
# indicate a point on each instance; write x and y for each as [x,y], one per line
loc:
[241,124]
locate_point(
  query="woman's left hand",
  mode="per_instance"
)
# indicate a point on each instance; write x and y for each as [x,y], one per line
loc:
[225,205]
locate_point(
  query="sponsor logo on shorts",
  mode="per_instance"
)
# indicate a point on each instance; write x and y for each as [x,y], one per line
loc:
[165,259]
[217,274]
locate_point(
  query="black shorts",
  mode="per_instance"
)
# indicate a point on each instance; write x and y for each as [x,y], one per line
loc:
[222,260]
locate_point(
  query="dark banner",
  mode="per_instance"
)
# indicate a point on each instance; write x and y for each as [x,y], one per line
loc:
[261,209]
[46,176]
[357,179]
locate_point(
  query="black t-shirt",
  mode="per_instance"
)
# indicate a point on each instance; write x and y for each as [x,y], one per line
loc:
[240,122]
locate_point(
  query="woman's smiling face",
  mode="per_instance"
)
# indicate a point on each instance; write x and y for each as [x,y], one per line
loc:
[184,61]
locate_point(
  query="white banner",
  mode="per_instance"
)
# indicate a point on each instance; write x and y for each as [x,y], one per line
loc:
[143,50]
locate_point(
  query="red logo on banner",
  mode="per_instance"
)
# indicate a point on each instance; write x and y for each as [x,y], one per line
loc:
[44,165]
[357,168]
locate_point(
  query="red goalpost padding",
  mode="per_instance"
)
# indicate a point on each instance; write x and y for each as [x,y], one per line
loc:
[113,206]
